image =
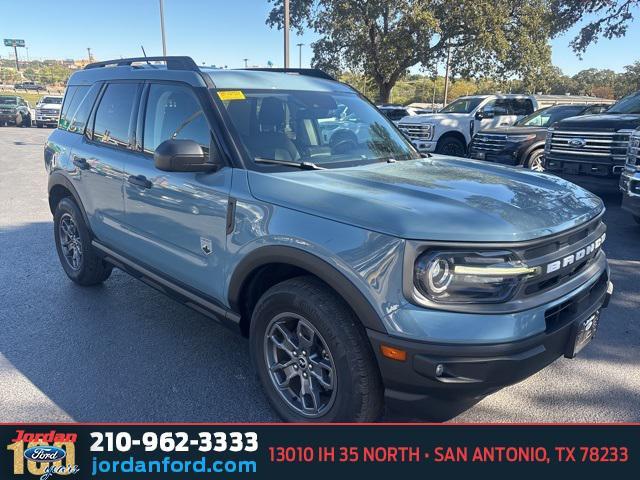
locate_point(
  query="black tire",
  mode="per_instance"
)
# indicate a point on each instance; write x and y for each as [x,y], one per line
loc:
[534,161]
[451,146]
[39,124]
[358,392]
[90,268]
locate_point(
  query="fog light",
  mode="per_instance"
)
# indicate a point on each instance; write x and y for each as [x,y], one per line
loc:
[439,370]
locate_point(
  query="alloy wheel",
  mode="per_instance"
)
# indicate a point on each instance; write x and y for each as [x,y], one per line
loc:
[70,241]
[300,365]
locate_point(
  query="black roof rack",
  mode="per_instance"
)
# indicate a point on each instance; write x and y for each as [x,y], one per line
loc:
[173,63]
[309,72]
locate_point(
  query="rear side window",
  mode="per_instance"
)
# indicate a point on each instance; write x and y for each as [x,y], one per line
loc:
[174,112]
[81,115]
[521,106]
[72,99]
[114,115]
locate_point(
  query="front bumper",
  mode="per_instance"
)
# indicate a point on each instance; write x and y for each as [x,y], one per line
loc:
[473,370]
[424,145]
[46,118]
[630,188]
[8,117]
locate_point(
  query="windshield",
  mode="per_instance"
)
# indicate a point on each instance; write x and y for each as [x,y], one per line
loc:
[629,104]
[8,100]
[329,129]
[56,100]
[549,116]
[462,105]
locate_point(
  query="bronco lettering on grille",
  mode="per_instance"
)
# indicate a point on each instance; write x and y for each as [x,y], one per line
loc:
[576,256]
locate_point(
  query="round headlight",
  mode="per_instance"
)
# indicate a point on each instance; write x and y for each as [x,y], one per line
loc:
[439,275]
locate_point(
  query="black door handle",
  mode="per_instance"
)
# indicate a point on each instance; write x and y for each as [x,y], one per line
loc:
[140,181]
[81,163]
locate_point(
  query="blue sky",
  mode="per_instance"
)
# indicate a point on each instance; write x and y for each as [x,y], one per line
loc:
[211,31]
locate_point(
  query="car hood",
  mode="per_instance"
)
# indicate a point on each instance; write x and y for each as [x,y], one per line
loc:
[439,198]
[515,130]
[435,118]
[52,106]
[605,121]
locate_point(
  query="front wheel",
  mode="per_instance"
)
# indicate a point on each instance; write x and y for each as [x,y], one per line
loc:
[535,161]
[312,355]
[451,146]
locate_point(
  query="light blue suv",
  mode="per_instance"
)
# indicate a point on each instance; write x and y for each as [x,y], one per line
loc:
[362,273]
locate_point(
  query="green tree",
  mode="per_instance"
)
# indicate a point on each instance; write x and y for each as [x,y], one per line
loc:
[611,18]
[384,38]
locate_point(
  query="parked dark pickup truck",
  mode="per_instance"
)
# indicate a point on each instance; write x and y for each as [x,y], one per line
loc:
[594,146]
[523,143]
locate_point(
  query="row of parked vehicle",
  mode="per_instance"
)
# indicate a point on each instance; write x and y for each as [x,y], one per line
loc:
[586,141]
[15,110]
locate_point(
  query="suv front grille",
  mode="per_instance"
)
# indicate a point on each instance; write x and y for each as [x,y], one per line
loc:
[633,154]
[556,249]
[595,145]
[489,142]
[415,131]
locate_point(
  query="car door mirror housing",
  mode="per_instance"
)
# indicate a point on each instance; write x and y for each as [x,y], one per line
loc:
[182,156]
[482,114]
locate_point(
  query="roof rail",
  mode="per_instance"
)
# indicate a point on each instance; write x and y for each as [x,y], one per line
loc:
[173,63]
[309,72]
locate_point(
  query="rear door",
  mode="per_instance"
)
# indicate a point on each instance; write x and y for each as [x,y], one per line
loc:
[102,153]
[177,220]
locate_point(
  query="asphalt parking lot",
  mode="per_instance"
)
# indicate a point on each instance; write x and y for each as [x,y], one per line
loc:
[124,352]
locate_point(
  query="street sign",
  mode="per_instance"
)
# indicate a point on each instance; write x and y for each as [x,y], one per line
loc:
[13,42]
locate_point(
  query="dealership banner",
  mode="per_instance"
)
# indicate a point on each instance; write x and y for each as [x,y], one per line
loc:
[185,451]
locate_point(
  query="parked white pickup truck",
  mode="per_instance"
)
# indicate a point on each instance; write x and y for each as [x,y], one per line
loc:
[450,130]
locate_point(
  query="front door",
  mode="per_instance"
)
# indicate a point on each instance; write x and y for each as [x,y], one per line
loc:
[177,220]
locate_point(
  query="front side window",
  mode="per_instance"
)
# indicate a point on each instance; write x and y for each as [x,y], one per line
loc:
[329,129]
[174,112]
[462,105]
[549,116]
[114,114]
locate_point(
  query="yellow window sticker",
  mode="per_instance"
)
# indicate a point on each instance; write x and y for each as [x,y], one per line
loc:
[231,95]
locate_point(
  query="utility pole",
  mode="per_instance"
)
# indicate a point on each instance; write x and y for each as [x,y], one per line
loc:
[286,33]
[89,53]
[245,62]
[15,51]
[299,45]
[164,39]
[446,76]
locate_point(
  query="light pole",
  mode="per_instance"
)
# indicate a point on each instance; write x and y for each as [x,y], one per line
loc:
[446,76]
[299,45]
[245,62]
[164,39]
[286,33]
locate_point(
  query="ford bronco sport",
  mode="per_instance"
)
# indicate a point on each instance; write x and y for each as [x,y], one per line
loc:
[361,272]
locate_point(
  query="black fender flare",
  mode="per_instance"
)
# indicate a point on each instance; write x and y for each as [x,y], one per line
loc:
[530,149]
[58,179]
[314,265]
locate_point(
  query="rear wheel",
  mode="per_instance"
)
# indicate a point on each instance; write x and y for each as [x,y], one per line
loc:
[535,161]
[312,355]
[451,146]
[80,260]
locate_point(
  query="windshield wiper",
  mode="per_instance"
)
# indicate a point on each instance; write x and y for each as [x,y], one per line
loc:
[300,165]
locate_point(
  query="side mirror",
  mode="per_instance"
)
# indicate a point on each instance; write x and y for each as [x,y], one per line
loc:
[481,114]
[181,156]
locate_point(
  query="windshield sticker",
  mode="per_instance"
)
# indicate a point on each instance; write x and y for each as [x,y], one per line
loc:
[231,95]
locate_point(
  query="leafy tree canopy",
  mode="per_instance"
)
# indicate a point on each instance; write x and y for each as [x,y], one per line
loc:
[384,38]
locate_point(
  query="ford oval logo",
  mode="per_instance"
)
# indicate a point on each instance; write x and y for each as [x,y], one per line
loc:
[44,454]
[577,142]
